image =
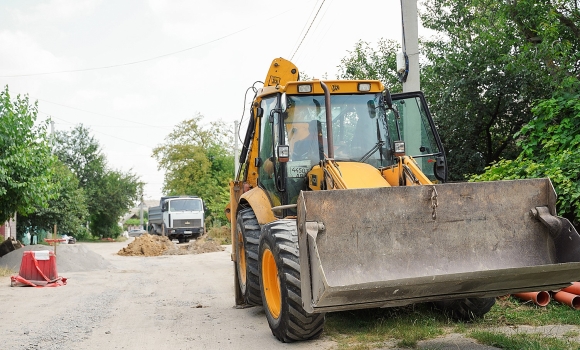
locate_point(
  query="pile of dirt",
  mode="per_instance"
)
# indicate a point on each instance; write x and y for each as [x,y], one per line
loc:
[153,245]
[147,245]
[199,246]
[70,258]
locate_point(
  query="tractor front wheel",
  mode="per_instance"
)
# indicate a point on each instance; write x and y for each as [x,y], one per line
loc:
[246,243]
[280,284]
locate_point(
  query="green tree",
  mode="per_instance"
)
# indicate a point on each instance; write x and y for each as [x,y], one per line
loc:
[67,209]
[366,62]
[550,144]
[110,193]
[491,60]
[25,159]
[198,161]
[487,65]
[82,153]
[115,192]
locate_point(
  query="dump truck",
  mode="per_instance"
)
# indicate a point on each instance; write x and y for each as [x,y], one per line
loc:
[341,202]
[178,217]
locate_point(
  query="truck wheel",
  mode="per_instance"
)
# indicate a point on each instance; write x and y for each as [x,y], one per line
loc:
[280,284]
[467,309]
[246,245]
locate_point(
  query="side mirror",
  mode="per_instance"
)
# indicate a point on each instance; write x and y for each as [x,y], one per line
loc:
[372,109]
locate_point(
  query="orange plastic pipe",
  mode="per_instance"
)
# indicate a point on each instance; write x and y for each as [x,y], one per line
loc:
[574,288]
[569,299]
[538,298]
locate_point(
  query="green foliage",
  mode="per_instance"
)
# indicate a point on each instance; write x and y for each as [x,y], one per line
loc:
[67,209]
[365,62]
[198,161]
[550,144]
[368,327]
[523,341]
[25,159]
[109,193]
[82,154]
[482,72]
[114,193]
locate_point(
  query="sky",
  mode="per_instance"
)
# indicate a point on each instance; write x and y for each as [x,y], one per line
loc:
[131,70]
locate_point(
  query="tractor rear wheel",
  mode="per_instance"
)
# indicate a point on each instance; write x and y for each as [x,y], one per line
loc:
[246,244]
[280,284]
[467,309]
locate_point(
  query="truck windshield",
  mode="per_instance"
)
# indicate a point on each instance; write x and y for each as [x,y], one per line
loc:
[185,205]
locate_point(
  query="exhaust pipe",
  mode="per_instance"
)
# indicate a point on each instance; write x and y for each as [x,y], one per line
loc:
[538,298]
[569,299]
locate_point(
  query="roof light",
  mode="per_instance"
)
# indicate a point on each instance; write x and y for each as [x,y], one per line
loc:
[364,86]
[305,88]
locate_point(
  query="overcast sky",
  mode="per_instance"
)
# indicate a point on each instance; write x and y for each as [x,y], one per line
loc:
[212,52]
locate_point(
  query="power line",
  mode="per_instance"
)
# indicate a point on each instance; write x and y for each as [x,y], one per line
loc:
[143,60]
[305,34]
[305,24]
[104,115]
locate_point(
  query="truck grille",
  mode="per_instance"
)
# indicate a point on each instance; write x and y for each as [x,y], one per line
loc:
[187,223]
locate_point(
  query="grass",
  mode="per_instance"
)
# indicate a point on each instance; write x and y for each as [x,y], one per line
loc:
[405,326]
[5,272]
[220,234]
[369,328]
[531,341]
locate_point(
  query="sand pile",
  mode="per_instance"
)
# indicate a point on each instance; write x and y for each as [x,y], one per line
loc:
[153,245]
[147,245]
[199,246]
[70,258]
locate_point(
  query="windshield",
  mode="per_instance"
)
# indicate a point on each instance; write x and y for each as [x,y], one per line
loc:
[185,205]
[356,128]
[363,130]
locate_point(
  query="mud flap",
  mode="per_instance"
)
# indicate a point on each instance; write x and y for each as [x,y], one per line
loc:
[394,246]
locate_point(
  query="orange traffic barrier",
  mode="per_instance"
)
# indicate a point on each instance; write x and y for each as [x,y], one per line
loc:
[574,288]
[538,298]
[569,299]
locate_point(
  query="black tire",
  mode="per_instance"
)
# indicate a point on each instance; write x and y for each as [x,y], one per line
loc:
[247,245]
[280,285]
[467,309]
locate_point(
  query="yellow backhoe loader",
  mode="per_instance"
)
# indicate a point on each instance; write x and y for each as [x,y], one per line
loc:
[340,203]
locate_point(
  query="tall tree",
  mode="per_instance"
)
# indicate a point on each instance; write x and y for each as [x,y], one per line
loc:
[25,159]
[82,153]
[109,193]
[367,62]
[198,161]
[487,65]
[114,194]
[492,59]
[68,208]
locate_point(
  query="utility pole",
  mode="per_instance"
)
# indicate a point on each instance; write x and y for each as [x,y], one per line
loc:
[410,31]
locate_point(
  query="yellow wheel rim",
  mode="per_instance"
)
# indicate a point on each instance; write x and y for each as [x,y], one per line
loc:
[271,283]
[241,258]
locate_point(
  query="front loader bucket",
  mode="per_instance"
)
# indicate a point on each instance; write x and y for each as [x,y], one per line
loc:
[399,245]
